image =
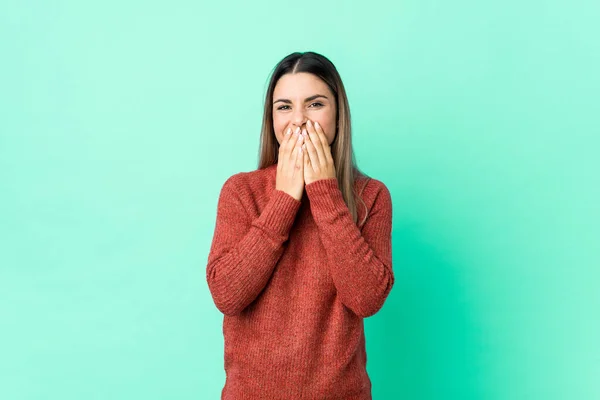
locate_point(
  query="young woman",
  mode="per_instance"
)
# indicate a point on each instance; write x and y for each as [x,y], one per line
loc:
[301,252]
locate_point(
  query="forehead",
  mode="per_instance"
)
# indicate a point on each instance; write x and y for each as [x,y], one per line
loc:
[301,84]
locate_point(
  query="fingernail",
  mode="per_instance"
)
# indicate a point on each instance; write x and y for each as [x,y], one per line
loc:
[304,132]
[297,129]
[316,124]
[289,130]
[308,123]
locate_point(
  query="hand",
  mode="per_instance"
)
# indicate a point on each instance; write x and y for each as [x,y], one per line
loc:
[290,165]
[318,162]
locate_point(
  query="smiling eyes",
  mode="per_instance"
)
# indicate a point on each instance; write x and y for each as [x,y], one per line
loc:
[318,105]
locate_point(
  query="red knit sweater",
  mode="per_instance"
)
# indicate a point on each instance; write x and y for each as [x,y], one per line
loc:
[294,280]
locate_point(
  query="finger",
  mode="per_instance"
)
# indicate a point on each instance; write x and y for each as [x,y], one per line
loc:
[286,136]
[298,161]
[284,145]
[323,138]
[302,156]
[312,155]
[306,157]
[288,140]
[316,141]
[294,142]
[301,161]
[320,134]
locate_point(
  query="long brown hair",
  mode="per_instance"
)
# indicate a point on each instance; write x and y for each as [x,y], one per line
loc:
[341,147]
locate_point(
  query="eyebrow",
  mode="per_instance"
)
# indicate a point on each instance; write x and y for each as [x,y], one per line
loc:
[316,96]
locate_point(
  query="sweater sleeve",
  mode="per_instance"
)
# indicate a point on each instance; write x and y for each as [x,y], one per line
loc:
[245,250]
[360,260]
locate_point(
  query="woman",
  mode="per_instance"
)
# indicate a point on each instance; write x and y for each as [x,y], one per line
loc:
[295,264]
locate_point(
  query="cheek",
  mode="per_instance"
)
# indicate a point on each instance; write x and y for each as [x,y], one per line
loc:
[278,126]
[328,125]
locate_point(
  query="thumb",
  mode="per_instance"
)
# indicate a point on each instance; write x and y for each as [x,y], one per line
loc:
[306,157]
[301,161]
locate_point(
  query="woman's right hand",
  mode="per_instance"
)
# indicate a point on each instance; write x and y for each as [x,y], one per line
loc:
[290,165]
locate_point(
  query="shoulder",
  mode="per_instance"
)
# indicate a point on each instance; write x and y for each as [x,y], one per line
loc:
[370,188]
[376,197]
[235,180]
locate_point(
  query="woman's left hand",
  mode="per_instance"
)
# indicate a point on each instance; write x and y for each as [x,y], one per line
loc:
[318,162]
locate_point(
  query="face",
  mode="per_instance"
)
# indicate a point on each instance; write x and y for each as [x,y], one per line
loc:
[300,97]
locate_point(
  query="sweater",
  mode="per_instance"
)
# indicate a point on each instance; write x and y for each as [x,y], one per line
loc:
[294,280]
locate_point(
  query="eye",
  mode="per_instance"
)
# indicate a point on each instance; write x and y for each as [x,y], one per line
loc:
[317,103]
[281,107]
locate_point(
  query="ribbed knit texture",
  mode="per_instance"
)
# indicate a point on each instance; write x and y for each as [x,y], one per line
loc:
[294,280]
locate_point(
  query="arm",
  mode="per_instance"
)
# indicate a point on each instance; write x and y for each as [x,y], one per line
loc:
[244,252]
[360,260]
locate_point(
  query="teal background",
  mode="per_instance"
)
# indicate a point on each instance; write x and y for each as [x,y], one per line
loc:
[120,121]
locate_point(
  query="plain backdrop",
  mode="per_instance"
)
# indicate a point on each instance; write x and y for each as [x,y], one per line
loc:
[120,121]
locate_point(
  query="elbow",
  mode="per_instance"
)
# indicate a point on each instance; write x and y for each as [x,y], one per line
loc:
[365,310]
[228,308]
[224,297]
[224,301]
[371,302]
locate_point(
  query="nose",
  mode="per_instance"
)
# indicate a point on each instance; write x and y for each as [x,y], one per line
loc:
[298,117]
